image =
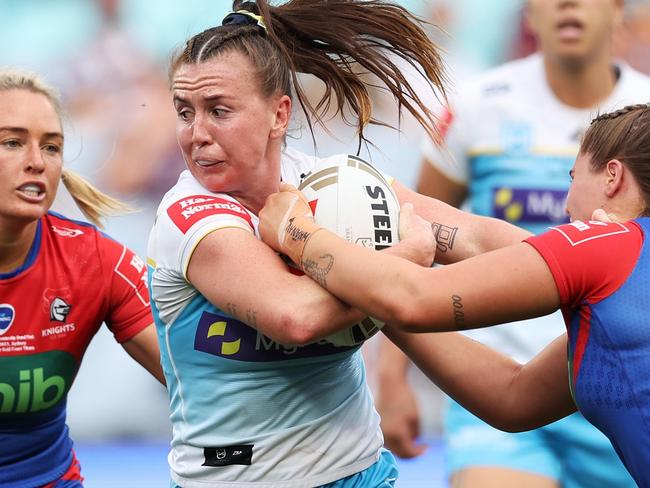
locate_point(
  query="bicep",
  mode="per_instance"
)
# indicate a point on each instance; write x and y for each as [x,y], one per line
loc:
[241,275]
[245,278]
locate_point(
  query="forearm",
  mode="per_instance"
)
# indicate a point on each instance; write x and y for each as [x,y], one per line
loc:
[144,349]
[460,235]
[393,363]
[504,393]
[345,269]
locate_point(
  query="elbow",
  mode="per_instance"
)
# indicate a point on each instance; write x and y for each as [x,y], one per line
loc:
[297,329]
[409,315]
[511,424]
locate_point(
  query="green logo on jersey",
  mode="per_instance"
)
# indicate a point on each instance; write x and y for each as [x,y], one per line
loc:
[36,382]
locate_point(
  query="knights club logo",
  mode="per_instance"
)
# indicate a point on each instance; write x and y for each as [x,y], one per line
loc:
[59,309]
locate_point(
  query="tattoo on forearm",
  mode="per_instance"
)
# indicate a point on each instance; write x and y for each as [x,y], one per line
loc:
[459,314]
[445,236]
[251,317]
[296,233]
[318,271]
[231,308]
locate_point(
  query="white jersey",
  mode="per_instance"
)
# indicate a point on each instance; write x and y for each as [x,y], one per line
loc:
[512,142]
[245,410]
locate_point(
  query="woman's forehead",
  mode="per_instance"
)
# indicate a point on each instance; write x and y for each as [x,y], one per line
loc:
[225,67]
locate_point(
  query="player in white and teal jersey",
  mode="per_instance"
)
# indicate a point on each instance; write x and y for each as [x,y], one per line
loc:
[247,410]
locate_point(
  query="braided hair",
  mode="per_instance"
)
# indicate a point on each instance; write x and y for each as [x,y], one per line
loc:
[623,134]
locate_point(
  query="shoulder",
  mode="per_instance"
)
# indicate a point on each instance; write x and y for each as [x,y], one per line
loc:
[504,80]
[188,203]
[589,259]
[87,245]
[67,231]
[634,81]
[589,235]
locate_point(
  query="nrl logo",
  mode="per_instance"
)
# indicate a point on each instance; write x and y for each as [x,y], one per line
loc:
[59,310]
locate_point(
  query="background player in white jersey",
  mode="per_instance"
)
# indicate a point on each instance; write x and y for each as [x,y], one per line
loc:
[511,138]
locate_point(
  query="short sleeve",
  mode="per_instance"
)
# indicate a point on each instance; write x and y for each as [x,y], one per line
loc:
[128,308]
[449,155]
[589,260]
[186,221]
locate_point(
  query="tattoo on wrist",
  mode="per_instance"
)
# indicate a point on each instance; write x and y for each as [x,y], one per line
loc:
[295,232]
[459,314]
[318,271]
[444,235]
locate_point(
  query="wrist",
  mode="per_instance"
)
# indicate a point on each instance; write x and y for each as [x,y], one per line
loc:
[296,234]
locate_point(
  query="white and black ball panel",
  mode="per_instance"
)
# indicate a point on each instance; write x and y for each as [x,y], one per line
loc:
[354,200]
[350,197]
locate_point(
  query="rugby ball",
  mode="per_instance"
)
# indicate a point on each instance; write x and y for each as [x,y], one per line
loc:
[351,198]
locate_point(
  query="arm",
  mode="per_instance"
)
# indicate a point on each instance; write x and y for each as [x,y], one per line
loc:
[244,277]
[505,285]
[504,393]
[459,234]
[143,347]
[436,184]
[396,403]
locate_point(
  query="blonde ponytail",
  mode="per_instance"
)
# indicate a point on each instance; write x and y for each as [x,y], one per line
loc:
[93,203]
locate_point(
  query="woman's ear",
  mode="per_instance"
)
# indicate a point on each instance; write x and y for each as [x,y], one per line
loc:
[614,173]
[281,117]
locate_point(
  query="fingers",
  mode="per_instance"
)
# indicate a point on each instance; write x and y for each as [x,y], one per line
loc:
[287,187]
[601,215]
[403,442]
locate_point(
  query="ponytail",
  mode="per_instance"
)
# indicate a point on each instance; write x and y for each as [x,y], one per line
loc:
[338,41]
[94,204]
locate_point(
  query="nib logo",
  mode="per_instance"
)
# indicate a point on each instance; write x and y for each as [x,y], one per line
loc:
[7,315]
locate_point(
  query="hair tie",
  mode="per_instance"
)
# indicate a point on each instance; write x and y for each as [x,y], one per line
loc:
[244,17]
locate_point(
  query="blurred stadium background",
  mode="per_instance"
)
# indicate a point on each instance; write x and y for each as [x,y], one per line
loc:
[109,59]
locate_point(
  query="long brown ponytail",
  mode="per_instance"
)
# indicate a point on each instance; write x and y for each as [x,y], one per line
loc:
[334,40]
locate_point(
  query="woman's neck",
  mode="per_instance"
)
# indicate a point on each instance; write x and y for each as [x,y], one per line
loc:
[581,85]
[15,243]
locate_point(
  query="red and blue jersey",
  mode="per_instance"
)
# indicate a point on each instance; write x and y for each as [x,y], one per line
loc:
[602,272]
[74,278]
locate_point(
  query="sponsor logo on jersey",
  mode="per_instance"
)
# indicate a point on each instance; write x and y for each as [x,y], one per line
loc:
[132,269]
[35,382]
[7,316]
[221,335]
[229,455]
[59,310]
[188,211]
[67,232]
[518,205]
